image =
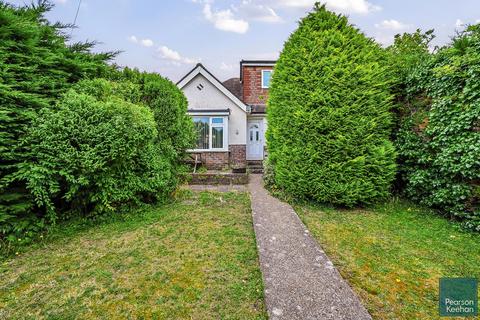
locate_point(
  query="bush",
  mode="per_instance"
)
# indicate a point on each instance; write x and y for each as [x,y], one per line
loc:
[439,141]
[169,105]
[328,114]
[36,67]
[91,156]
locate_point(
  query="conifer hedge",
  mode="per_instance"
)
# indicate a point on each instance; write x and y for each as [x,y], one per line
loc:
[328,114]
[72,142]
[36,67]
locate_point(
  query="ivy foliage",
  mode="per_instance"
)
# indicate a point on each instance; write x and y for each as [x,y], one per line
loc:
[328,114]
[36,67]
[439,140]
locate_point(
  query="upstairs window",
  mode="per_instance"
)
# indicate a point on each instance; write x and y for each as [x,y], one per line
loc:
[266,77]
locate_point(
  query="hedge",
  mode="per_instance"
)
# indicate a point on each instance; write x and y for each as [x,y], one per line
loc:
[36,67]
[92,156]
[72,146]
[439,139]
[328,114]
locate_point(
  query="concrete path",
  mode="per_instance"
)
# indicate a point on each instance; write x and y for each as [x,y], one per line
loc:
[300,280]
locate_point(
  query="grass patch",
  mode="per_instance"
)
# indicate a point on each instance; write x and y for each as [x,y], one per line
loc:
[192,259]
[393,255]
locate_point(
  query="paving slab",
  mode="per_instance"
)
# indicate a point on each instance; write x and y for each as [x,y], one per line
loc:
[300,280]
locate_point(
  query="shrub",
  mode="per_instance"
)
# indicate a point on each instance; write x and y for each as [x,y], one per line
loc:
[328,114]
[92,156]
[36,67]
[169,106]
[175,132]
[439,141]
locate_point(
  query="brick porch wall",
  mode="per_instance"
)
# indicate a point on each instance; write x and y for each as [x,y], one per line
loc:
[253,93]
[215,160]
[238,155]
[219,160]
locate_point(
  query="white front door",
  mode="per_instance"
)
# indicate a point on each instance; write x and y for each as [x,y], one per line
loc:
[255,139]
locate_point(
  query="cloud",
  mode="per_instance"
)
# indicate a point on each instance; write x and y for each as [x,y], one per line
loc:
[146,43]
[226,67]
[258,12]
[392,25]
[143,42]
[459,23]
[345,6]
[224,20]
[173,56]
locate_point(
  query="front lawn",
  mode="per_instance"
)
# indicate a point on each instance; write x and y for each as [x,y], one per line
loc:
[393,255]
[193,259]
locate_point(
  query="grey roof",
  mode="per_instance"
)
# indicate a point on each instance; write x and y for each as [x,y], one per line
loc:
[235,87]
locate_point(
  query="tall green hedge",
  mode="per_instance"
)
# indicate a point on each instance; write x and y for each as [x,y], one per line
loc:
[328,114]
[70,145]
[93,155]
[36,67]
[439,140]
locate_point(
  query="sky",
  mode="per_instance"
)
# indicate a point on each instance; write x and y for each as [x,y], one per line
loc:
[171,36]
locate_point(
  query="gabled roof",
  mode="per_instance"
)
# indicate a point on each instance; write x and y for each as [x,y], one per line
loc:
[200,69]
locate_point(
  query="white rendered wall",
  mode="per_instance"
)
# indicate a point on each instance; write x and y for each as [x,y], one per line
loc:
[210,98]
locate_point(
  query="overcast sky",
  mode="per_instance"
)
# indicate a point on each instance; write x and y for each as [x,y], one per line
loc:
[170,36]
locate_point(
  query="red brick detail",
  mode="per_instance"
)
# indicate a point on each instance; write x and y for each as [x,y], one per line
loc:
[215,160]
[253,93]
[238,155]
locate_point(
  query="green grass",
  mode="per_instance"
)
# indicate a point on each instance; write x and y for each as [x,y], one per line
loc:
[393,255]
[193,259]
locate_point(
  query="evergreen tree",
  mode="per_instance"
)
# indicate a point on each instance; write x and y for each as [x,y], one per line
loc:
[36,67]
[329,114]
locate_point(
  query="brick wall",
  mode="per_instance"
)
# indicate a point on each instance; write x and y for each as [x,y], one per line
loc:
[238,155]
[215,160]
[253,93]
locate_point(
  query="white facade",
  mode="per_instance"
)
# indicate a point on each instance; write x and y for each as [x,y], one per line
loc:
[204,95]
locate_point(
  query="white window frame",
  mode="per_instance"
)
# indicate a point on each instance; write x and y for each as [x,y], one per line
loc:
[271,73]
[224,125]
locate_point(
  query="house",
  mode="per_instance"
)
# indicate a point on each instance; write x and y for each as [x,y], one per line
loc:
[229,116]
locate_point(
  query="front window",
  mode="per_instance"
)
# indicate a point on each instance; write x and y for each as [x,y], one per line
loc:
[266,77]
[210,133]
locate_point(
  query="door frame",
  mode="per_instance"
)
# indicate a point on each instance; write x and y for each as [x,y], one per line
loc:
[260,122]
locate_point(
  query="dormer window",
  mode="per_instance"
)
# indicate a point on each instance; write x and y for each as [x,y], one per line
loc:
[266,77]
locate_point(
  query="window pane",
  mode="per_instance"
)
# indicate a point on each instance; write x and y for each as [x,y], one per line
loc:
[202,127]
[266,75]
[217,120]
[217,137]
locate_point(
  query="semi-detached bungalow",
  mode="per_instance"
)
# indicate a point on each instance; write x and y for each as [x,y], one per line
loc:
[229,116]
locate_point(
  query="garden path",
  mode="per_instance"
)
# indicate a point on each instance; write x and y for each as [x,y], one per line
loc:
[300,280]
